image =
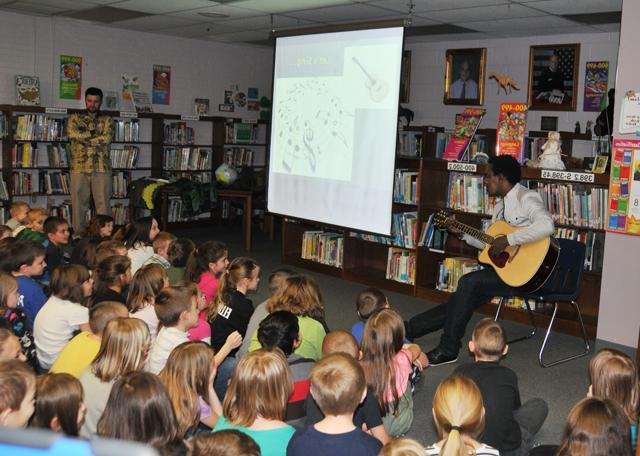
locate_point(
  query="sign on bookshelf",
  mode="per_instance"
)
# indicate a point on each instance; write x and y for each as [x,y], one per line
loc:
[567,176]
[624,187]
[128,114]
[462,167]
[55,110]
[189,117]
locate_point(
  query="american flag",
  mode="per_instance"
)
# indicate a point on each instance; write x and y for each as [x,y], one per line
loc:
[566,62]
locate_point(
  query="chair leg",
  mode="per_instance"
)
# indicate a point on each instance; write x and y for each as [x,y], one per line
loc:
[531,317]
[575,307]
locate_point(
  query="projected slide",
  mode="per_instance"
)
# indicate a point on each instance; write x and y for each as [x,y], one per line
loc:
[334,126]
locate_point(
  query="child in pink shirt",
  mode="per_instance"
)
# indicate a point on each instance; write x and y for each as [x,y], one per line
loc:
[204,267]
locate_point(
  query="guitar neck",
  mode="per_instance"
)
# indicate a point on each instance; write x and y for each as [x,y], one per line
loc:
[473,232]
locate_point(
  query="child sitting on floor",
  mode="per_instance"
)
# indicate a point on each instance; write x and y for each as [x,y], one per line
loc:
[34,228]
[178,254]
[161,244]
[17,392]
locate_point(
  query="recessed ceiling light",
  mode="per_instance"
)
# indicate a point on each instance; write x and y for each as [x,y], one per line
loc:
[214,15]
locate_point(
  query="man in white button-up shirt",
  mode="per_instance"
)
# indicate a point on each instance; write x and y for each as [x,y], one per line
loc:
[518,206]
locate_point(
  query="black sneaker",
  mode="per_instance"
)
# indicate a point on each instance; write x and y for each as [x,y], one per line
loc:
[437,357]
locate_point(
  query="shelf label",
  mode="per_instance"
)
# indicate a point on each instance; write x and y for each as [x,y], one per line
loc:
[55,110]
[567,176]
[189,117]
[250,121]
[464,167]
[128,114]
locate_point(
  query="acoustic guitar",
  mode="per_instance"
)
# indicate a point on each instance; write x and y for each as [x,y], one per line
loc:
[378,89]
[526,267]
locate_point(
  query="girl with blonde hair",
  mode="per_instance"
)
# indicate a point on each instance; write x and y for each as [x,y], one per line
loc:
[388,364]
[403,447]
[301,296]
[459,416]
[14,318]
[147,282]
[124,348]
[257,400]
[188,376]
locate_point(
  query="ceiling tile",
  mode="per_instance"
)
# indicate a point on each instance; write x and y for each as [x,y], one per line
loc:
[231,12]
[422,6]
[576,6]
[32,8]
[515,32]
[162,6]
[418,21]
[254,35]
[199,30]
[283,6]
[63,4]
[264,22]
[344,13]
[531,24]
[483,13]
[155,22]
[452,37]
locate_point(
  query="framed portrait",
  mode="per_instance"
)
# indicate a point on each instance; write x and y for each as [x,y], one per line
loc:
[553,77]
[464,76]
[405,76]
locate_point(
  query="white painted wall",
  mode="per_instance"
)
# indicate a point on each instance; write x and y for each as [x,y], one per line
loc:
[32,45]
[619,315]
[508,56]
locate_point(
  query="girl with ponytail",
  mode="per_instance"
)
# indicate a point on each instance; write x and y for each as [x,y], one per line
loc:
[230,312]
[459,416]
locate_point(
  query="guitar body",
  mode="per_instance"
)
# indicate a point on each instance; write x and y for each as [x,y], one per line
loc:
[526,266]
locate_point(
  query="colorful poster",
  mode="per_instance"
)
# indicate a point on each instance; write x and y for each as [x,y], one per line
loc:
[630,113]
[70,77]
[512,123]
[466,125]
[130,84]
[161,93]
[596,78]
[624,187]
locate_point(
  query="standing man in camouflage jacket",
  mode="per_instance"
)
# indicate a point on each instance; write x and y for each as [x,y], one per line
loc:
[90,134]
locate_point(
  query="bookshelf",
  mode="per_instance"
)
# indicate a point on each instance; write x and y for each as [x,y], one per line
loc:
[157,145]
[374,260]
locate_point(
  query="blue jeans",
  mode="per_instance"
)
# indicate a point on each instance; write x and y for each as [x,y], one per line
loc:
[223,376]
[474,289]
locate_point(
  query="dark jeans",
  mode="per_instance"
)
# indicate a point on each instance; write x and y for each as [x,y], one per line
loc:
[474,289]
[530,416]
[225,370]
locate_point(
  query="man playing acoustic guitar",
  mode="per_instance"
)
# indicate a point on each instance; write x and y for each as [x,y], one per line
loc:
[519,207]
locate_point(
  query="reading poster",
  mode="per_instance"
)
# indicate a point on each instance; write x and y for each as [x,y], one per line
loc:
[624,187]
[512,122]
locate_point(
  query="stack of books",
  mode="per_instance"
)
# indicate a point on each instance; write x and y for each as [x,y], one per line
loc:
[201,178]
[124,156]
[240,132]
[175,209]
[467,193]
[433,238]
[55,182]
[127,130]
[477,144]
[39,127]
[401,265]
[452,269]
[238,156]
[120,184]
[179,133]
[574,204]
[4,193]
[409,144]
[59,155]
[62,210]
[187,159]
[120,214]
[24,155]
[405,187]
[323,247]
[404,231]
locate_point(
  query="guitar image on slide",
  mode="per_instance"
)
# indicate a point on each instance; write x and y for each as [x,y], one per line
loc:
[526,266]
[378,89]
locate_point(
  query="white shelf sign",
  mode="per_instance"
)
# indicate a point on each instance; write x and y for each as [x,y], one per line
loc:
[567,176]
[128,114]
[189,117]
[463,167]
[55,110]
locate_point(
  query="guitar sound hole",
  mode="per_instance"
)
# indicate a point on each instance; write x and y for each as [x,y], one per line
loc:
[500,259]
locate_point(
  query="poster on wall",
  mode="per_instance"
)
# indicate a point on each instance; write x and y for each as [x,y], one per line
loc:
[624,187]
[466,125]
[130,84]
[70,77]
[161,93]
[596,79]
[512,123]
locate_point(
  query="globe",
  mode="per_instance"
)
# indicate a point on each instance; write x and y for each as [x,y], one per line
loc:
[225,174]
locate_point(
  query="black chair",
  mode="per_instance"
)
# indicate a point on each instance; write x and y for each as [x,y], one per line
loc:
[563,286]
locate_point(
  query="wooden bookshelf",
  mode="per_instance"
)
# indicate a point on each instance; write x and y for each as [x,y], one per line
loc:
[365,261]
